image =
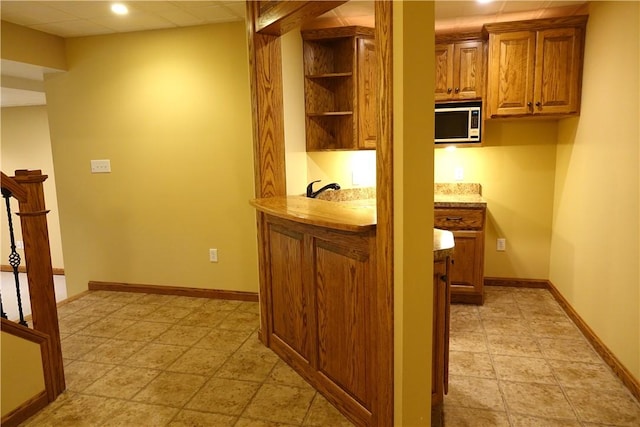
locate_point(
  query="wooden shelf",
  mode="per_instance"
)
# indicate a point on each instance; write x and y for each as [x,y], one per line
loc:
[339,88]
[329,75]
[330,113]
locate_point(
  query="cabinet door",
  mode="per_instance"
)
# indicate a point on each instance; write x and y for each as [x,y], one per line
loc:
[557,71]
[444,71]
[466,269]
[366,106]
[511,67]
[291,319]
[467,70]
[344,316]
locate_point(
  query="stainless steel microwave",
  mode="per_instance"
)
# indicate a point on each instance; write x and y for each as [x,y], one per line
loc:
[458,122]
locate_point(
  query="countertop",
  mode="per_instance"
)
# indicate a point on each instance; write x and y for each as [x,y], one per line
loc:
[458,195]
[354,216]
[443,244]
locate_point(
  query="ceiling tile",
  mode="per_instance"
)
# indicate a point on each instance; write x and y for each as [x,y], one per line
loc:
[29,13]
[76,28]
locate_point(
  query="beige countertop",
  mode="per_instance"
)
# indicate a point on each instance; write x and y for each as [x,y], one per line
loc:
[443,244]
[458,195]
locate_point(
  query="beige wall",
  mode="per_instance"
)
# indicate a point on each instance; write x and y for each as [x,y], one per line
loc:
[293,105]
[26,145]
[596,228]
[171,110]
[413,77]
[22,375]
[22,44]
[516,167]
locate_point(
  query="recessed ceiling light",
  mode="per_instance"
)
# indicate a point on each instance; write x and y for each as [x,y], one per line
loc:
[119,9]
[484,1]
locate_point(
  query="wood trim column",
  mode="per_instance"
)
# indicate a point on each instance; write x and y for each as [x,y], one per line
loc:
[384,231]
[265,68]
[33,218]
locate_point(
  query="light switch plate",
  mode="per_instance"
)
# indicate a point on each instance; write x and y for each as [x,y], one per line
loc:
[101,166]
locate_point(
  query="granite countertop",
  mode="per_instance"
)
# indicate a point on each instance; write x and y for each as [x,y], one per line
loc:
[443,244]
[458,195]
[354,210]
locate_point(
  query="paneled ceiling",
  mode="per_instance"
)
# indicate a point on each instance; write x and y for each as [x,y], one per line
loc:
[87,18]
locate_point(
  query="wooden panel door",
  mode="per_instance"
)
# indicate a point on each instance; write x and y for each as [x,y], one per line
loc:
[511,67]
[343,316]
[444,71]
[467,70]
[557,70]
[290,295]
[366,104]
[466,270]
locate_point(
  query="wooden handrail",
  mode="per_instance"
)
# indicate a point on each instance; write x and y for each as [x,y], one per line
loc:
[16,190]
[27,187]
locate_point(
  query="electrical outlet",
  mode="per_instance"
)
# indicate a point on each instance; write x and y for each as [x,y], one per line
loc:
[501,245]
[19,244]
[213,255]
[101,166]
[458,173]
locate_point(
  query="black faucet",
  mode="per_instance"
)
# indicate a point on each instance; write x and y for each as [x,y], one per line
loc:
[314,194]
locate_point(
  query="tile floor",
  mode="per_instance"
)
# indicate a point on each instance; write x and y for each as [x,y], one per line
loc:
[153,360]
[518,361]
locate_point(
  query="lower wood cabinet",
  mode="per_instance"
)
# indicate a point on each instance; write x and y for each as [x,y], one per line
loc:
[467,270]
[441,316]
[321,314]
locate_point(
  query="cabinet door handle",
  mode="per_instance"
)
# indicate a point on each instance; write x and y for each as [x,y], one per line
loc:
[444,278]
[457,89]
[448,90]
[529,104]
[538,104]
[454,218]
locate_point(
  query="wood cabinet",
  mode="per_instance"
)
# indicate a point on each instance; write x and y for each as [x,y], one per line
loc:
[322,311]
[440,348]
[340,88]
[459,67]
[535,67]
[467,269]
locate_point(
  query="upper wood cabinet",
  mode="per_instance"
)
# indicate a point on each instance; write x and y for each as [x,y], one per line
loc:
[339,88]
[535,67]
[459,69]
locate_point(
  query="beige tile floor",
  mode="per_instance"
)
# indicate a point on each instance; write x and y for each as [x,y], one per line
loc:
[518,361]
[153,360]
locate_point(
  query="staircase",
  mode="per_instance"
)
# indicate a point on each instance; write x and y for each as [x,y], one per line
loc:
[20,401]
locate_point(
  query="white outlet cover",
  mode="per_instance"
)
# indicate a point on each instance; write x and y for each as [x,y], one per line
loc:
[458,173]
[101,166]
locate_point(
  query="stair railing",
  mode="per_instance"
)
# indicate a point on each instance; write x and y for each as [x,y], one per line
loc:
[27,188]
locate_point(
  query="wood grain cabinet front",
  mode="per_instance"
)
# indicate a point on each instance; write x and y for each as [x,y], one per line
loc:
[535,67]
[322,311]
[340,88]
[467,269]
[440,348]
[459,69]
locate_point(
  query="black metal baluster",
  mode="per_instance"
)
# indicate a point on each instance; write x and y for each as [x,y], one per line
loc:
[14,257]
